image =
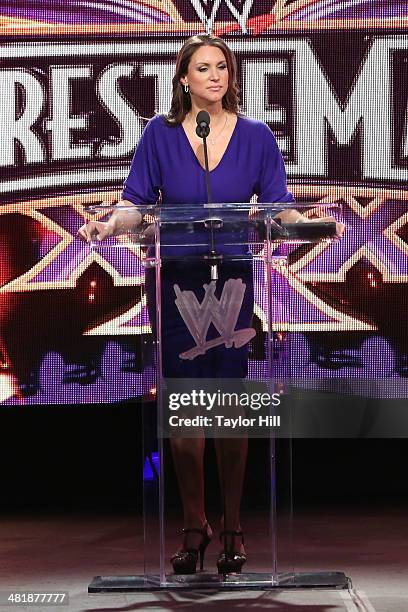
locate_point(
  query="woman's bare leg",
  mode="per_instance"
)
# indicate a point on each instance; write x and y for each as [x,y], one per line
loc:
[231,459]
[188,455]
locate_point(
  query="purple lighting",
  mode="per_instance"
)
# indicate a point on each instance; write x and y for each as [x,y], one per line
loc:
[72,12]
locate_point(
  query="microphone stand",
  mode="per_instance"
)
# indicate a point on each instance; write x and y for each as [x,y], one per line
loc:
[203,129]
[207,171]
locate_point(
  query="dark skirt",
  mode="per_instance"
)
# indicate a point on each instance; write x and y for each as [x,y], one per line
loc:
[219,361]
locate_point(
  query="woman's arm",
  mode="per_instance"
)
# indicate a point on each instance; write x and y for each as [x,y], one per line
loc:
[120,222]
[272,184]
[142,186]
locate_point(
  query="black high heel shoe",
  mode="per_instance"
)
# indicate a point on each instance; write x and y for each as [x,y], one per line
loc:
[229,560]
[184,561]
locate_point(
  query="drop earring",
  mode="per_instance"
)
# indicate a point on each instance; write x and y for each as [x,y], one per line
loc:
[186,88]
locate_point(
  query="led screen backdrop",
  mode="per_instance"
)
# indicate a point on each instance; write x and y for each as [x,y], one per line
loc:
[77,80]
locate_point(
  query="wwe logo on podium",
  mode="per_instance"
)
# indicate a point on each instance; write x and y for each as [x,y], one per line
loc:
[223,313]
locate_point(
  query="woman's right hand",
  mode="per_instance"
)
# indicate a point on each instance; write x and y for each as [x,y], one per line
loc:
[124,218]
[96,230]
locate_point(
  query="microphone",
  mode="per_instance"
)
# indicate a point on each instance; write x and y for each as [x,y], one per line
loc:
[203,124]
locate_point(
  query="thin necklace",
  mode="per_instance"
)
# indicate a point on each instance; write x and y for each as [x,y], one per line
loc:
[212,140]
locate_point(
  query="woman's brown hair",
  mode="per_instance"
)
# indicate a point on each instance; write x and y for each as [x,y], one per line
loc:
[181,101]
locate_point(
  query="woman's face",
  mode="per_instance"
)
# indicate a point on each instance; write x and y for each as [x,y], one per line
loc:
[207,76]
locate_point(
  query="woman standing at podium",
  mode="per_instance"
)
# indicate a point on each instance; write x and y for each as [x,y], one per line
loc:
[168,163]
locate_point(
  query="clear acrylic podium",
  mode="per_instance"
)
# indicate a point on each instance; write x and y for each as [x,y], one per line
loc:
[214,296]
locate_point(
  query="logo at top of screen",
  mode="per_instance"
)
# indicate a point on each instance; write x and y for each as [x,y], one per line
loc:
[216,16]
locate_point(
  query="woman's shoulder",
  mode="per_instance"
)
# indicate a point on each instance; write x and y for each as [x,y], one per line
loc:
[157,122]
[250,121]
[156,125]
[255,127]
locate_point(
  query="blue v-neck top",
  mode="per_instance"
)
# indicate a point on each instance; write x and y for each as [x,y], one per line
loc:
[165,162]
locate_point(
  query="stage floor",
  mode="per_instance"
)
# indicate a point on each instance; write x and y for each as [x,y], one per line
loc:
[64,552]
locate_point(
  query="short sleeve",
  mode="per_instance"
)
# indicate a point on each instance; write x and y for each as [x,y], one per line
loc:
[272,185]
[143,184]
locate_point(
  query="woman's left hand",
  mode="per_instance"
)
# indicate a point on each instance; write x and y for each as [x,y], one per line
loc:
[340,227]
[291,215]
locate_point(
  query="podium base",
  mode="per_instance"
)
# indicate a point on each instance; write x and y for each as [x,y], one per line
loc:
[301,580]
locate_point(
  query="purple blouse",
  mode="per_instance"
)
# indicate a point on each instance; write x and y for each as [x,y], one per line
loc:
[165,161]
